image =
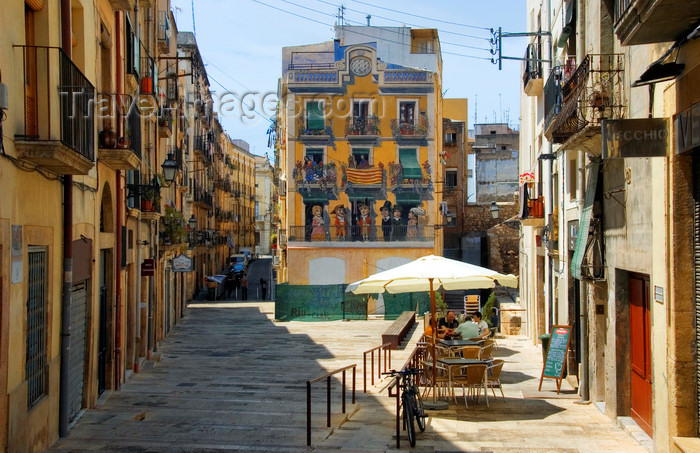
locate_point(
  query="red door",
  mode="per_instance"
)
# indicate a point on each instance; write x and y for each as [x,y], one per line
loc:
[640,352]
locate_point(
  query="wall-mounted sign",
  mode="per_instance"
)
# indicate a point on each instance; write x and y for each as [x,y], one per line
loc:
[182,263]
[688,129]
[639,137]
[148,267]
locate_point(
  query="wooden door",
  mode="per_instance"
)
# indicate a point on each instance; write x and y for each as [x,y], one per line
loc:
[640,352]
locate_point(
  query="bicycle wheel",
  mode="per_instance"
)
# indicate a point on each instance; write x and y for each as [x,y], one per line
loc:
[420,410]
[408,417]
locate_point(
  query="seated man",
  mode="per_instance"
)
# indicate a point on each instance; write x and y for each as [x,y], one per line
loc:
[447,325]
[467,330]
[483,327]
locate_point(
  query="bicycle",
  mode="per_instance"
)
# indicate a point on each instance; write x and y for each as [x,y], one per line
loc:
[411,401]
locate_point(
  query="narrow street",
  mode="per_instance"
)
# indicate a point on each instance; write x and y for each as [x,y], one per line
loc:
[232,379]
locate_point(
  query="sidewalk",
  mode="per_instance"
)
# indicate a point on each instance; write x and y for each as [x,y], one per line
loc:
[232,379]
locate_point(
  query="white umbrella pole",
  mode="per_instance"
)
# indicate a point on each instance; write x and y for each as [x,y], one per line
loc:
[433,329]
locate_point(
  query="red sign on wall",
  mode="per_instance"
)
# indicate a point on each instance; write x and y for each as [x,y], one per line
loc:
[148,267]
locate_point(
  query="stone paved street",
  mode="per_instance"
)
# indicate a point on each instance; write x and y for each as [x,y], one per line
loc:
[232,379]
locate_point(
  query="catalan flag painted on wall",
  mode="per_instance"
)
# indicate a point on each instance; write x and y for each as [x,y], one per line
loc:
[364,175]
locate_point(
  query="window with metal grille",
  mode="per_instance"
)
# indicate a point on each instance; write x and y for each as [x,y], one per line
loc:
[450,179]
[35,368]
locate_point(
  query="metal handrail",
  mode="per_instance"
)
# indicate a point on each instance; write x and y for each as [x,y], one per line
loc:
[385,347]
[327,377]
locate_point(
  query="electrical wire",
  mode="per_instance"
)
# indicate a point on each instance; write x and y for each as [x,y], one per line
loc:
[394,31]
[404,22]
[235,96]
[360,33]
[423,17]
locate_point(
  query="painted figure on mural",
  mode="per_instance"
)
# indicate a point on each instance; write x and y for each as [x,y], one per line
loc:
[340,223]
[386,220]
[318,232]
[398,229]
[412,228]
[364,221]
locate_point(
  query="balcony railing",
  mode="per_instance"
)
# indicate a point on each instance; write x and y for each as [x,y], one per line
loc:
[653,21]
[323,176]
[407,76]
[532,69]
[44,70]
[314,76]
[163,35]
[419,129]
[362,126]
[594,92]
[361,234]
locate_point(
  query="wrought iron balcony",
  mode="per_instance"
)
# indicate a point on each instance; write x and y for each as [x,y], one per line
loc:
[594,92]
[121,153]
[650,21]
[532,69]
[58,130]
[163,35]
[359,236]
[362,127]
[165,123]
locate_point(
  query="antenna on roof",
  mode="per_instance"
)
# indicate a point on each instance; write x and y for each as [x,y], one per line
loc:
[369,17]
[341,15]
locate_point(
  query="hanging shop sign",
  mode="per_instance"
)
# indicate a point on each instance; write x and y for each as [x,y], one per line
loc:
[639,137]
[182,263]
[148,267]
[687,129]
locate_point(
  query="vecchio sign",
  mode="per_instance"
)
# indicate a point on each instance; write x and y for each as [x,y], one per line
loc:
[642,137]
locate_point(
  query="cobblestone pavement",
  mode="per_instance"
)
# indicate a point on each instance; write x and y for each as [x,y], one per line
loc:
[232,379]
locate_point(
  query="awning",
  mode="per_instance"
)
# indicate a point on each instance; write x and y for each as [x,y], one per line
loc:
[315,197]
[359,196]
[408,198]
[585,221]
[409,163]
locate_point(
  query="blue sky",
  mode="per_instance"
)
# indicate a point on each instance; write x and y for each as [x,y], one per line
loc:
[241,43]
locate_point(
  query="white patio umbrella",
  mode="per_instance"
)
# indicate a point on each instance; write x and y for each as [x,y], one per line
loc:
[430,273]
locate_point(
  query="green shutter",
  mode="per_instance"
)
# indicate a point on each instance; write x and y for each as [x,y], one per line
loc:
[407,198]
[409,163]
[315,197]
[314,116]
[585,221]
[359,196]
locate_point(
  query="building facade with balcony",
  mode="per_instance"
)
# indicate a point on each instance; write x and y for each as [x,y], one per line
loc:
[359,130]
[266,208]
[611,248]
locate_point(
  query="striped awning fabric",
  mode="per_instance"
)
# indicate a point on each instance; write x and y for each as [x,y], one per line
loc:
[364,175]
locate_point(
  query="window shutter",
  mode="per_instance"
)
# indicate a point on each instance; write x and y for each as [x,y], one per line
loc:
[314,116]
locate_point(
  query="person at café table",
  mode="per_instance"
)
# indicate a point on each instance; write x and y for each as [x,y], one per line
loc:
[447,325]
[483,327]
[467,330]
[429,332]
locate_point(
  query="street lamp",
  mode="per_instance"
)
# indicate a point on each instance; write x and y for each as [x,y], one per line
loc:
[169,168]
[192,222]
[493,209]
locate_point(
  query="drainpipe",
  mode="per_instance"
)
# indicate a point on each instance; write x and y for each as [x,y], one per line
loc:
[117,286]
[64,389]
[549,199]
[583,287]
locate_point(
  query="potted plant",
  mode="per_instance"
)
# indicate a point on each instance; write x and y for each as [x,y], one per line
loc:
[147,200]
[107,137]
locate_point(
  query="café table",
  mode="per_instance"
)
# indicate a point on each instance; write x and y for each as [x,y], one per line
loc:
[455,346]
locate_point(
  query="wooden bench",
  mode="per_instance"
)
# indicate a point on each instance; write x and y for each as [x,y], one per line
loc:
[398,329]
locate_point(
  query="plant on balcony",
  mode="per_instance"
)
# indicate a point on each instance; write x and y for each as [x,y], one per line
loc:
[107,137]
[173,222]
[395,173]
[148,199]
[125,141]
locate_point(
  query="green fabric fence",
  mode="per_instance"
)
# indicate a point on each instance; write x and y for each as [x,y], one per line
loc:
[318,303]
[331,303]
[395,304]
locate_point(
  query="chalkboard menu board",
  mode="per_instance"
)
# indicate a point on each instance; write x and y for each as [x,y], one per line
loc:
[556,354]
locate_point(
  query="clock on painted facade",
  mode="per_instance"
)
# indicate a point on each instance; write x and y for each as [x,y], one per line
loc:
[360,66]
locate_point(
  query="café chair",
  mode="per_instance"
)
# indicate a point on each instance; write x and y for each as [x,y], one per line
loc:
[442,378]
[473,378]
[470,352]
[485,352]
[493,378]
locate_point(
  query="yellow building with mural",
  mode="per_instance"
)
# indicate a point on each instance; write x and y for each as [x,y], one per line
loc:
[359,132]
